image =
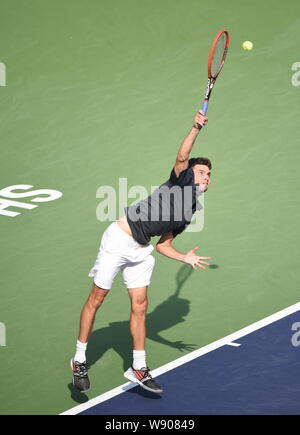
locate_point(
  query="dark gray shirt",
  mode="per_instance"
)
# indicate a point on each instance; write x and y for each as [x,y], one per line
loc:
[169,209]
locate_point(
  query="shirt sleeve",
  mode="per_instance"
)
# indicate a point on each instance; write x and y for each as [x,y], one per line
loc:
[184,178]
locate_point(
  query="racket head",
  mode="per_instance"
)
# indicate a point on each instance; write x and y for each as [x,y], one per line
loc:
[218,53]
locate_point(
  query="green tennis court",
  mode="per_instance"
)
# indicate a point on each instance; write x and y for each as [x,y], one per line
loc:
[97,91]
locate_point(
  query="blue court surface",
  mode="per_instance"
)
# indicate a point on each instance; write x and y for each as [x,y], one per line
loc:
[258,373]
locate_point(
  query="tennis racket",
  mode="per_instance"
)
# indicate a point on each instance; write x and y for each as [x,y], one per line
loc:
[216,61]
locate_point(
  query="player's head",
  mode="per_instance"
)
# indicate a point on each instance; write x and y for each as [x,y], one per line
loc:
[202,171]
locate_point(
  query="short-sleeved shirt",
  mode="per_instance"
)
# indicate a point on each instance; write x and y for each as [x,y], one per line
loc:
[168,209]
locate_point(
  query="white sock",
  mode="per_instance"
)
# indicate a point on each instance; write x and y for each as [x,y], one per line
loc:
[80,352]
[139,359]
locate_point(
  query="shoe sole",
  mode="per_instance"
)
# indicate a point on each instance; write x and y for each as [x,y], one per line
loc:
[83,391]
[131,376]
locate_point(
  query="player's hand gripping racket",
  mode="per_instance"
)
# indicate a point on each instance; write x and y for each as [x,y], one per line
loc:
[216,61]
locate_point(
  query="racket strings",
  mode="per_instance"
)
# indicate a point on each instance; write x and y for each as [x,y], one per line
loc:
[218,55]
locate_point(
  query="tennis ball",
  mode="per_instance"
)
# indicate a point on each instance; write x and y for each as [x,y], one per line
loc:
[247,45]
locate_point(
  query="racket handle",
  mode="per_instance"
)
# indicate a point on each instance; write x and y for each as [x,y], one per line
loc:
[204,110]
[204,107]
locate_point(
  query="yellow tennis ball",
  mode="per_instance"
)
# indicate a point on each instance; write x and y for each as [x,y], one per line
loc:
[247,45]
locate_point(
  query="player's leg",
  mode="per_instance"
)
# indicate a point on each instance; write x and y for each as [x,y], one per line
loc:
[137,322]
[88,313]
[104,272]
[78,364]
[137,278]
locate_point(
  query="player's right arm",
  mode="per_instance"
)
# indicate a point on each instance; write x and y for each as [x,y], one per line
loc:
[185,149]
[164,246]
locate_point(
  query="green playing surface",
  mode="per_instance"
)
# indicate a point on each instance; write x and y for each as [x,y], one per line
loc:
[100,90]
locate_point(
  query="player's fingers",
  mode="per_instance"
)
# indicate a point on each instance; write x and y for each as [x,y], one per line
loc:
[203,262]
[205,258]
[201,121]
[202,117]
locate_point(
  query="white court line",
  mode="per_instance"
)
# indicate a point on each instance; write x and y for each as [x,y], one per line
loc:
[233,344]
[229,339]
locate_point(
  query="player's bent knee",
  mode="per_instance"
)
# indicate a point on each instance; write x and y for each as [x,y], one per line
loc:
[100,290]
[140,307]
[97,296]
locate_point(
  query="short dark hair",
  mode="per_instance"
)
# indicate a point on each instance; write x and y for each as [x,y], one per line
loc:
[200,161]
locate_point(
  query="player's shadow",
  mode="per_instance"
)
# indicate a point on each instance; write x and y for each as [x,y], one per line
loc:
[76,395]
[117,336]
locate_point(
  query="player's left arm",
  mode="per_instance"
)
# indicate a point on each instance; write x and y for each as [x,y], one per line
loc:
[164,246]
[186,147]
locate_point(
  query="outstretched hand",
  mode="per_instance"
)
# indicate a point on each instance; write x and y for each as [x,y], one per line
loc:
[195,260]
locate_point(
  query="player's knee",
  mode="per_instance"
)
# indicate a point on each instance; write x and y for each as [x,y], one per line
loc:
[140,306]
[96,297]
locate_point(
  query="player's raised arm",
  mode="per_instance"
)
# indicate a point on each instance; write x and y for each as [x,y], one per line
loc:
[186,147]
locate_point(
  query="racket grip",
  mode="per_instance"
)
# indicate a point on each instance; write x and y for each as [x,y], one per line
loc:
[204,110]
[204,107]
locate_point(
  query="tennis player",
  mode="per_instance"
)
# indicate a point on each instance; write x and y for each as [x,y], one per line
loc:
[125,247]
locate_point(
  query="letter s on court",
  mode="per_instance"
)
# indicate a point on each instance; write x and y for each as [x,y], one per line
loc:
[296,336]
[7,192]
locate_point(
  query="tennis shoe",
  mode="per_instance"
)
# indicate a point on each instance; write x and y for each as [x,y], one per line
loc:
[143,378]
[80,377]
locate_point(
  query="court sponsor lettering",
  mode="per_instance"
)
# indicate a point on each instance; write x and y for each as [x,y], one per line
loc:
[8,196]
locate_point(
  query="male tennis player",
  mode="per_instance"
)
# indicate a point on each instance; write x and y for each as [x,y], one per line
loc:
[125,247]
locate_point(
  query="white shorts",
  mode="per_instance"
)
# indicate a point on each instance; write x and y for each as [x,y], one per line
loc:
[120,251]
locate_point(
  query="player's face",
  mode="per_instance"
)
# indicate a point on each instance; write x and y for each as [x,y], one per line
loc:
[202,176]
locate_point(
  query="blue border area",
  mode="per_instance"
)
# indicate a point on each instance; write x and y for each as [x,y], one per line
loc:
[259,377]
